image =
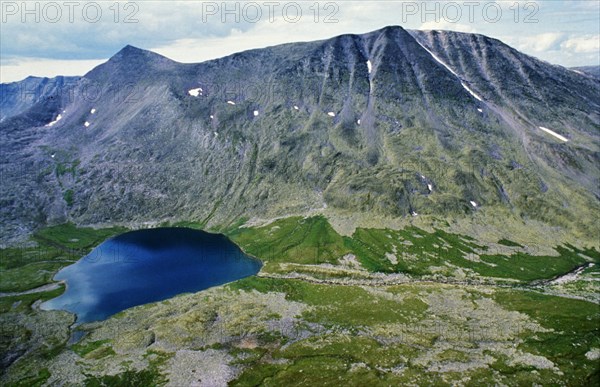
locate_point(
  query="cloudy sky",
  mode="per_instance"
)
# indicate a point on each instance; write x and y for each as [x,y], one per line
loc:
[69,38]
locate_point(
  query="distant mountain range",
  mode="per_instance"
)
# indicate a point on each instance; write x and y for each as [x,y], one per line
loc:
[393,123]
[589,70]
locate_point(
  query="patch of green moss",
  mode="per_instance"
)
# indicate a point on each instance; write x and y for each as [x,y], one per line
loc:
[299,240]
[63,168]
[35,380]
[72,237]
[150,376]
[26,268]
[256,375]
[575,325]
[336,304]
[128,378]
[22,303]
[417,251]
[84,347]
[68,197]
[453,355]
[507,242]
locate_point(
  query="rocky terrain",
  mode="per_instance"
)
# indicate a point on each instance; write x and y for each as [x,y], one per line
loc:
[594,71]
[392,124]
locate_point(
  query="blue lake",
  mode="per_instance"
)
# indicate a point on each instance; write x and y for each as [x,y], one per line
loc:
[145,266]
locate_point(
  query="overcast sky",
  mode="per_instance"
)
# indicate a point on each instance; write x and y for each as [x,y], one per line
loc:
[70,38]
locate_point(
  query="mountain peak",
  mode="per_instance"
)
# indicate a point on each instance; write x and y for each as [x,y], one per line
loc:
[391,28]
[132,61]
[130,52]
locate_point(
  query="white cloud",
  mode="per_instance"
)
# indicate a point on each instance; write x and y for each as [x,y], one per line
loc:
[446,25]
[21,68]
[540,42]
[562,48]
[582,44]
[265,33]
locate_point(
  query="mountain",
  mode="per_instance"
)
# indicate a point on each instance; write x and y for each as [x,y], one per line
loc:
[46,94]
[594,71]
[392,124]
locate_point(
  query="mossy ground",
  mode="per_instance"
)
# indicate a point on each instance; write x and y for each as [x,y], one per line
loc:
[270,330]
[27,267]
[411,250]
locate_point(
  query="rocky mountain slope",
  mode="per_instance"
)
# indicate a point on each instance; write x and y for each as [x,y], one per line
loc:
[390,124]
[47,95]
[593,71]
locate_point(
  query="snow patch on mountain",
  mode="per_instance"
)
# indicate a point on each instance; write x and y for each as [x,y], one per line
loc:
[195,92]
[471,91]
[453,72]
[553,133]
[58,118]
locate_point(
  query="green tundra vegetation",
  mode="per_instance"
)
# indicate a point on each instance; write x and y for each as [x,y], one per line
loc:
[377,307]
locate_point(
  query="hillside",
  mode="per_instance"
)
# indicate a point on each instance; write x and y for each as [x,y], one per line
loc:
[391,125]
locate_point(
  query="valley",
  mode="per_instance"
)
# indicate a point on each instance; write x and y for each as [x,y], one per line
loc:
[426,323]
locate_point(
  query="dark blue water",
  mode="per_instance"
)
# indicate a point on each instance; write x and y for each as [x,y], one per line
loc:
[146,266]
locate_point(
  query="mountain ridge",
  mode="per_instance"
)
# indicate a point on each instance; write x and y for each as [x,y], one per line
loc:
[387,123]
